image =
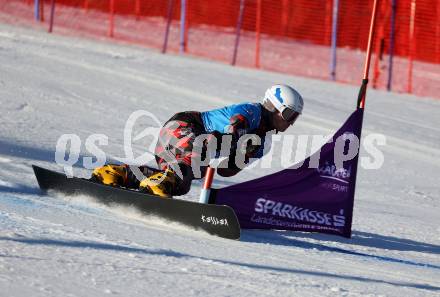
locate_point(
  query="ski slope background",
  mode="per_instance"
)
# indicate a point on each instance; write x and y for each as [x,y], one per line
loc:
[54,245]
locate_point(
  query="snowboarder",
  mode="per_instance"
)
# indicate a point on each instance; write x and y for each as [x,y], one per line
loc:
[177,147]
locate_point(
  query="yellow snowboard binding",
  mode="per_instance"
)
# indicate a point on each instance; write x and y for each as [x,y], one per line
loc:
[112,175]
[162,184]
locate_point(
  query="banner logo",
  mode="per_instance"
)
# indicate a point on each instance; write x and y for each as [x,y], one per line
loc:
[330,171]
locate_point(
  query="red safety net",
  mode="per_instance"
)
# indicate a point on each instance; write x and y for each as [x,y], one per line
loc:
[291,36]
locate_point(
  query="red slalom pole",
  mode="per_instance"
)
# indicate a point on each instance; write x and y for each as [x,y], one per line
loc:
[167,30]
[363,90]
[41,6]
[206,189]
[411,45]
[257,37]
[52,15]
[238,31]
[111,26]
[138,9]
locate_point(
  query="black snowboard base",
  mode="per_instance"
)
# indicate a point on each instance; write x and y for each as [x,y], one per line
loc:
[219,220]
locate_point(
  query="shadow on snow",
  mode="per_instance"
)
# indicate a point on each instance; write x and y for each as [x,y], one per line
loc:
[169,253]
[289,238]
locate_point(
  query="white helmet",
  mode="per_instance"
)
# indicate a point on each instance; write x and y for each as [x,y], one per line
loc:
[285,99]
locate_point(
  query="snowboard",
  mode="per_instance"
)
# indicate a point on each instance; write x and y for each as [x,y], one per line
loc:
[219,220]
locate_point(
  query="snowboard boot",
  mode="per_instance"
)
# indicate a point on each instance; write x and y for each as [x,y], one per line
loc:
[162,184]
[112,175]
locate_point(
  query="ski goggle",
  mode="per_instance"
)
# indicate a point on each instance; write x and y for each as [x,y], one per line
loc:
[289,115]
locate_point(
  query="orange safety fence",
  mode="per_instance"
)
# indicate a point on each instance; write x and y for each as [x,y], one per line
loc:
[290,36]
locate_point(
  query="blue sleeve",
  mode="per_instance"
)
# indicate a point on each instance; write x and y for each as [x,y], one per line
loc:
[238,126]
[238,119]
[250,111]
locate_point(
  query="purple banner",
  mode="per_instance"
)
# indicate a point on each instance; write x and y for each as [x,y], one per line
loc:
[318,199]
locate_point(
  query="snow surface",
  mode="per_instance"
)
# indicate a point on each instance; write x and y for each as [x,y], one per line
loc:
[54,245]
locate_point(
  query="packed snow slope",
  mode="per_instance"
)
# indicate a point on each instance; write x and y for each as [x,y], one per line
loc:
[53,245]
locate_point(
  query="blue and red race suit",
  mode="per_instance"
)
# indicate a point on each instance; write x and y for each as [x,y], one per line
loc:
[175,146]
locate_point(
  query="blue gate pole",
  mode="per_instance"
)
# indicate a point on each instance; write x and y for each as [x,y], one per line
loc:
[391,53]
[37,9]
[182,26]
[334,39]
[238,30]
